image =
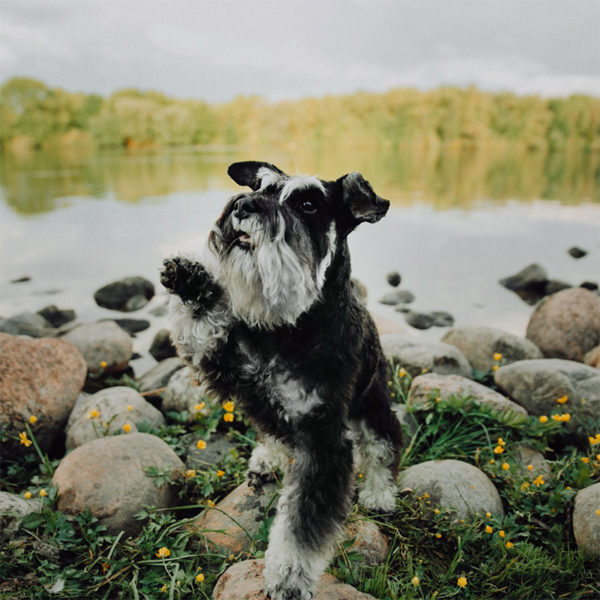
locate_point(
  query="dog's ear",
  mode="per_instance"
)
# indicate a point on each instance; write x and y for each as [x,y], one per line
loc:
[254,174]
[361,201]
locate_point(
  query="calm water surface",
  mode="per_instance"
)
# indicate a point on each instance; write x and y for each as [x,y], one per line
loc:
[460,221]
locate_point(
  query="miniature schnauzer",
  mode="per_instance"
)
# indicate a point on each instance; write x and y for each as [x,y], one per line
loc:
[268,317]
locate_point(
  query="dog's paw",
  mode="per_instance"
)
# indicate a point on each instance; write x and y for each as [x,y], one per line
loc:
[257,479]
[188,279]
[283,592]
[382,501]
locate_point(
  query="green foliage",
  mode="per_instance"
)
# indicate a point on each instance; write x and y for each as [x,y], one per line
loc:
[32,111]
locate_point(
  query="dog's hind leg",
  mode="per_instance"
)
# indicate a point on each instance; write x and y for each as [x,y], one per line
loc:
[268,456]
[315,502]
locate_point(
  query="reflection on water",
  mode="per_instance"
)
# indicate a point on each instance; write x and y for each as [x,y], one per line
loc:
[74,223]
[41,181]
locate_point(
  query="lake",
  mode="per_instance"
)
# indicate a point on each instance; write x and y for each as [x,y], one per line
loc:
[460,220]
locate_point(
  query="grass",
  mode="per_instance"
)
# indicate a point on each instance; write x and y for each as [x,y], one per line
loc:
[528,554]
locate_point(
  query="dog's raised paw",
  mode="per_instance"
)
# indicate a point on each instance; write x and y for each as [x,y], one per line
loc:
[257,480]
[189,280]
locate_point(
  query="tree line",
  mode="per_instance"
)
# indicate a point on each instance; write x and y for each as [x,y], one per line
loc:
[33,114]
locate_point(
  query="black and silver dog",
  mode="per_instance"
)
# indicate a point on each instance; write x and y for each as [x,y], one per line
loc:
[268,316]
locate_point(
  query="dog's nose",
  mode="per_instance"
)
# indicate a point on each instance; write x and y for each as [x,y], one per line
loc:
[245,207]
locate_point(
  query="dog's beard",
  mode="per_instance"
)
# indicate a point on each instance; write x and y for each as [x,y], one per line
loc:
[272,282]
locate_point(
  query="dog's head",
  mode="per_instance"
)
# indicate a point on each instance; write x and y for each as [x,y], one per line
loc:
[274,245]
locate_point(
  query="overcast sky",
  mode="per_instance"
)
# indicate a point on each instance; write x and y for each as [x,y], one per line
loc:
[218,49]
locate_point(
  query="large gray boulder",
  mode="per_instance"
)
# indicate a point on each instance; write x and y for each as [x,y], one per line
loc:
[538,384]
[116,407]
[423,386]
[417,355]
[455,485]
[108,477]
[39,380]
[566,324]
[479,344]
[104,346]
[586,519]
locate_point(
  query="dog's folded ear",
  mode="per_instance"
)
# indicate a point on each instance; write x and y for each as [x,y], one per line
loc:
[360,199]
[254,174]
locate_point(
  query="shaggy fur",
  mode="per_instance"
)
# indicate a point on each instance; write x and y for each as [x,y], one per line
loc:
[268,317]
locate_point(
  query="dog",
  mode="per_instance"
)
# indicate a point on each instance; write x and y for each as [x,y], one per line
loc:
[268,317]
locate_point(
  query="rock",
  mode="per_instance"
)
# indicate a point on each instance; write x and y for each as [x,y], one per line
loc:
[415,355]
[183,393]
[479,344]
[442,318]
[23,279]
[242,510]
[526,457]
[423,386]
[455,485]
[592,358]
[160,311]
[218,449]
[162,346]
[133,326]
[589,285]
[359,290]
[244,581]
[27,323]
[554,285]
[127,294]
[586,520]
[407,420]
[394,278]
[108,477]
[537,384]
[57,317]
[103,342]
[12,510]
[576,252]
[529,283]
[368,541]
[419,320]
[117,406]
[567,324]
[158,376]
[398,297]
[42,378]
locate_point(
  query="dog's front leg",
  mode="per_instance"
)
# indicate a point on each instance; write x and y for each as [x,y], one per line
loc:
[314,504]
[199,311]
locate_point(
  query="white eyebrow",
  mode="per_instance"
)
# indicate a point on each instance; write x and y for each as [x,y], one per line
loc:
[301,182]
[267,177]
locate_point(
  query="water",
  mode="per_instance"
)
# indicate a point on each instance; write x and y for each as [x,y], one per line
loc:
[459,222]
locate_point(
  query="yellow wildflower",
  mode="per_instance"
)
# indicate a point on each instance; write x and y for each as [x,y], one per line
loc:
[415,581]
[127,428]
[539,481]
[488,514]
[488,529]
[498,450]
[543,419]
[129,407]
[200,444]
[585,459]
[103,364]
[495,368]
[424,370]
[232,557]
[598,512]
[43,492]
[497,356]
[229,406]
[93,414]
[594,440]
[210,503]
[505,466]
[509,545]
[23,439]
[530,467]
[199,578]
[401,373]
[436,511]
[556,418]
[492,461]
[360,475]
[501,442]
[461,582]
[164,589]
[228,417]
[501,533]
[198,407]
[190,473]
[27,494]
[438,399]
[565,417]
[562,399]
[525,485]
[33,419]
[220,473]
[425,495]
[163,552]
[438,535]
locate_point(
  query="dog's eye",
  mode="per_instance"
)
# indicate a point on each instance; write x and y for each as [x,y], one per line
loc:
[308,207]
